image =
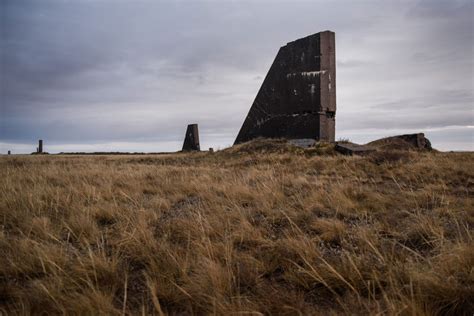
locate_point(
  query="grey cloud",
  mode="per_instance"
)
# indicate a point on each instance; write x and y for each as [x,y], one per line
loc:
[442,99]
[440,9]
[103,71]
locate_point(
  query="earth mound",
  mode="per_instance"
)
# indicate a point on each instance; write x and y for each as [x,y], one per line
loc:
[263,145]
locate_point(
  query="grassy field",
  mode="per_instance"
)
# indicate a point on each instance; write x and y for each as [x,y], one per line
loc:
[260,228]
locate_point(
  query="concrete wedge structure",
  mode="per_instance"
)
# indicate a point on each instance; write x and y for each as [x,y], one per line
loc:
[297,99]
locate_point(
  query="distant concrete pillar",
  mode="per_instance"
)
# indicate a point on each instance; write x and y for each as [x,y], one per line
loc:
[9,152]
[191,139]
[40,146]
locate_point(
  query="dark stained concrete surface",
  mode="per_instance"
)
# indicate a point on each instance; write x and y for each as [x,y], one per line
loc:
[297,99]
[191,139]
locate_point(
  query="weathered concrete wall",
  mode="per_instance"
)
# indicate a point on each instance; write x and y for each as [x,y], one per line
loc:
[417,140]
[191,139]
[298,96]
[404,142]
[40,146]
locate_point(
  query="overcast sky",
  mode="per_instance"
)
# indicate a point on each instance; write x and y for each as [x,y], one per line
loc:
[130,75]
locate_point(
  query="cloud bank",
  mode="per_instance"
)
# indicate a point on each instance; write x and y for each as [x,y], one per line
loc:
[123,75]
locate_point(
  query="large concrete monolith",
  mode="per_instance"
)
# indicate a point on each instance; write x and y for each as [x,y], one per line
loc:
[297,99]
[40,146]
[191,139]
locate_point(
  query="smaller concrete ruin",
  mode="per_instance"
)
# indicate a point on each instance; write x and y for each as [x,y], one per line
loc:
[191,139]
[403,142]
[397,143]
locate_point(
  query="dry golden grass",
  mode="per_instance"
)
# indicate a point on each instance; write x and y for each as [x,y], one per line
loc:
[255,229]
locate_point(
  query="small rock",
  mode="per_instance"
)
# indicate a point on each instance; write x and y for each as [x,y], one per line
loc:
[302,142]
